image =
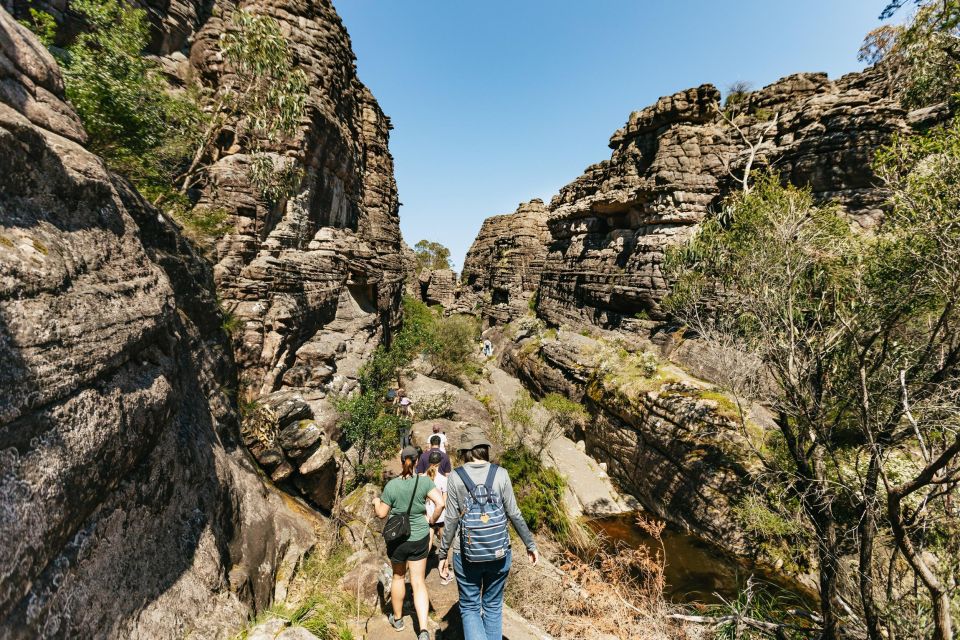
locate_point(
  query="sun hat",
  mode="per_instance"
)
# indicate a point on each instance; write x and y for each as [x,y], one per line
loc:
[473,437]
[409,452]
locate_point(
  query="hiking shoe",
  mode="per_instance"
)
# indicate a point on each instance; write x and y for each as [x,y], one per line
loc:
[424,635]
[396,624]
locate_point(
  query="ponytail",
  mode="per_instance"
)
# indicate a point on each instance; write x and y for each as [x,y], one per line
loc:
[432,471]
[408,465]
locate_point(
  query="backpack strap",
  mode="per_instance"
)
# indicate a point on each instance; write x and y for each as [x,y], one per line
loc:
[491,475]
[467,482]
[413,495]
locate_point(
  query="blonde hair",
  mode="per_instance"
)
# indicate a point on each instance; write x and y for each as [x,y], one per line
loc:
[432,471]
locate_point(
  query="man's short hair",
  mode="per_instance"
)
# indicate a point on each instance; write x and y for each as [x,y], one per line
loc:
[435,441]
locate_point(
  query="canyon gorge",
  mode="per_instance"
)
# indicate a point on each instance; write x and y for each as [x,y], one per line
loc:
[172,448]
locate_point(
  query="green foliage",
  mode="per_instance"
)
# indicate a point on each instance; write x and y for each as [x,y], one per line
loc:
[738,94]
[855,339]
[275,183]
[539,490]
[755,516]
[43,25]
[520,415]
[451,347]
[161,139]
[534,300]
[366,421]
[766,604]
[369,427]
[922,58]
[121,97]
[566,413]
[231,323]
[322,608]
[202,222]
[431,255]
[265,89]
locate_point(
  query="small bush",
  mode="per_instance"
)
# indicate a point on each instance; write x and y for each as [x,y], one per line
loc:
[539,491]
[321,607]
[43,25]
[452,347]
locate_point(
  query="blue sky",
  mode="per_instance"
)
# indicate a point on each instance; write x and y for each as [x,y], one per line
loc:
[495,102]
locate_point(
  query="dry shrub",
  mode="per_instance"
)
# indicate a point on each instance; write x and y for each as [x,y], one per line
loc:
[600,594]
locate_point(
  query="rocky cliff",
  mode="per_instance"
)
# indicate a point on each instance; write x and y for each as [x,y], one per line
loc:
[313,283]
[671,164]
[665,435]
[502,269]
[127,506]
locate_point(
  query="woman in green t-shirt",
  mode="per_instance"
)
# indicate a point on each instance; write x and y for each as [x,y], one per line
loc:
[410,490]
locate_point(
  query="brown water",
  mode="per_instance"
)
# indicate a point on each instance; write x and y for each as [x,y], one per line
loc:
[696,572]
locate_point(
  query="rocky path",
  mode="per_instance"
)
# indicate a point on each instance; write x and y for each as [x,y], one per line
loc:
[590,491]
[444,618]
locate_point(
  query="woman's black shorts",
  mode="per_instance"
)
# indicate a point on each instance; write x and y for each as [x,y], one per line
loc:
[405,550]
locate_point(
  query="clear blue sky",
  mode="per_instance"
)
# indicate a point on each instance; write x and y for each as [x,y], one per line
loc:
[498,101]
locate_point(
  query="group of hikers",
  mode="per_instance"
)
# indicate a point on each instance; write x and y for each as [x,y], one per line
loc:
[466,509]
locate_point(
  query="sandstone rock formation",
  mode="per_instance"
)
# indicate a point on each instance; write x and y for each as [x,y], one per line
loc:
[312,283]
[438,286]
[502,269]
[667,438]
[127,506]
[671,164]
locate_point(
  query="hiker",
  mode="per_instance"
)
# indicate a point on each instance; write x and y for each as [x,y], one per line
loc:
[480,500]
[424,462]
[406,435]
[442,436]
[404,498]
[487,347]
[404,404]
[435,513]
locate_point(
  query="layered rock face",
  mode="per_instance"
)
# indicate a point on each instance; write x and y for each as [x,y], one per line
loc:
[665,436]
[502,269]
[674,161]
[127,508]
[438,286]
[316,280]
[312,283]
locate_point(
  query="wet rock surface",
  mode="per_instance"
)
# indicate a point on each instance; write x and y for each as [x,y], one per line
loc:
[121,471]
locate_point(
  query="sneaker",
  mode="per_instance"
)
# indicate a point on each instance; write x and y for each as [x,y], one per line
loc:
[424,635]
[396,624]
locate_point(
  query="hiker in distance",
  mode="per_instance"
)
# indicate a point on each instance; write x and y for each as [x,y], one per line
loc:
[480,500]
[407,534]
[424,462]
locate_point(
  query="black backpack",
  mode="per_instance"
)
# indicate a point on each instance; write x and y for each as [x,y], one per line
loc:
[398,524]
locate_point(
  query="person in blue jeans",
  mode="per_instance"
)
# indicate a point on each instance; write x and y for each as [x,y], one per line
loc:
[480,584]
